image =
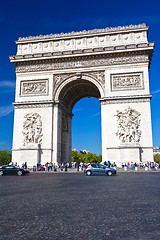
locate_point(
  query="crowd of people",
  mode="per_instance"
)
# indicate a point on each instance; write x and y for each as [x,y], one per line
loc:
[49,166]
[62,167]
[53,167]
[149,165]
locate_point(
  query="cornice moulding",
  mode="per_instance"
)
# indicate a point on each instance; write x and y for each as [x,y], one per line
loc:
[79,53]
[126,97]
[33,104]
[123,99]
[111,30]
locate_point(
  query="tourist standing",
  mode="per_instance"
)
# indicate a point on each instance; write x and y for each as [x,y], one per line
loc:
[66,167]
[108,164]
[25,165]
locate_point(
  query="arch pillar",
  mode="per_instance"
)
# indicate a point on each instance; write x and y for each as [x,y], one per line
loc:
[62,134]
[126,129]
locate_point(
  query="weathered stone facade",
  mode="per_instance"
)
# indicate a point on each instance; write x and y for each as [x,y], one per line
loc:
[55,71]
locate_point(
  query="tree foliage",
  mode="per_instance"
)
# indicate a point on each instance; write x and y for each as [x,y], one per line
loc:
[157,157]
[5,157]
[86,158]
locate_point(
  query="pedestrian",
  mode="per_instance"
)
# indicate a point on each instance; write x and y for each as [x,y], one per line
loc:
[25,165]
[61,167]
[46,166]
[108,164]
[114,164]
[51,166]
[77,167]
[66,167]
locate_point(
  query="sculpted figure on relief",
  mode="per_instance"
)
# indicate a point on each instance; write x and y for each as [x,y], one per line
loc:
[32,129]
[128,126]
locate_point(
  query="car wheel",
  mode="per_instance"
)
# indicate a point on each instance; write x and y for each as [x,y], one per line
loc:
[88,173]
[19,173]
[109,173]
[1,173]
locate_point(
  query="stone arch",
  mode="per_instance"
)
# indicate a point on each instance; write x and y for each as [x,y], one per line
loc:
[78,62]
[76,87]
[70,89]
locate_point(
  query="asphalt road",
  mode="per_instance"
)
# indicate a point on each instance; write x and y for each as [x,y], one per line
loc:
[74,206]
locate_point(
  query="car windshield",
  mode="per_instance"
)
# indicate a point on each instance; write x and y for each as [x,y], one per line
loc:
[101,166]
[94,165]
[9,167]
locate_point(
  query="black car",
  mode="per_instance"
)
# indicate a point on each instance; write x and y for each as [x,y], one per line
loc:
[12,170]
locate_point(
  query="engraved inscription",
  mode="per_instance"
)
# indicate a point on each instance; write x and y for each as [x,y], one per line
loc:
[36,87]
[127,81]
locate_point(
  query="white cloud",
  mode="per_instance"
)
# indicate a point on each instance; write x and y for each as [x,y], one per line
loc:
[77,110]
[9,84]
[6,110]
[95,115]
[157,91]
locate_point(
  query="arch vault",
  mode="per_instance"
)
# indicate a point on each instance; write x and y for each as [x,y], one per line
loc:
[53,72]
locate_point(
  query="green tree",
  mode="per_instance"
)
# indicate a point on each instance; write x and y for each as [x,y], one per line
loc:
[75,157]
[157,157]
[99,158]
[86,158]
[5,157]
[90,157]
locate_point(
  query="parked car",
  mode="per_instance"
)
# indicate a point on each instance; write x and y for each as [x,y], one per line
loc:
[97,168]
[12,170]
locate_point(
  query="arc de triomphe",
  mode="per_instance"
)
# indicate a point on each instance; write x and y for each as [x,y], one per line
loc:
[53,72]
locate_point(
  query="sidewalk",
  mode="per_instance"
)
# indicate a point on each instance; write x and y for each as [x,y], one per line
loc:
[119,170]
[138,170]
[69,170]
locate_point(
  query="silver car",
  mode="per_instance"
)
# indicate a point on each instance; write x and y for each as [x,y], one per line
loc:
[97,168]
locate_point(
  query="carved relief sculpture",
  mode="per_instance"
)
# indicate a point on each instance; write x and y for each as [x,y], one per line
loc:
[37,87]
[128,126]
[32,129]
[103,61]
[97,75]
[127,81]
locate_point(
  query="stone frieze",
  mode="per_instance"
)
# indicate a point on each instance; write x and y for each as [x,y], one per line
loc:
[97,75]
[83,62]
[127,81]
[34,87]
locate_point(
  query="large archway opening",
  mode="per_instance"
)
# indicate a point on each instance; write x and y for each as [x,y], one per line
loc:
[86,126]
[76,90]
[70,94]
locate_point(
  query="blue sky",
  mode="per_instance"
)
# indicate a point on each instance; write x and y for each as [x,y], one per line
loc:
[31,18]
